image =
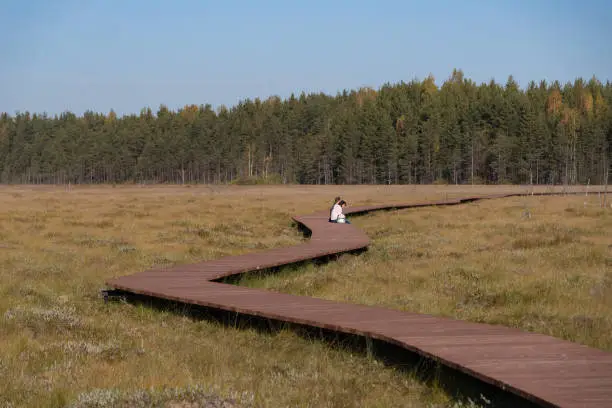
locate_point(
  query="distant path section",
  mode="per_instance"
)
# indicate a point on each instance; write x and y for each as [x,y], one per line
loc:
[539,368]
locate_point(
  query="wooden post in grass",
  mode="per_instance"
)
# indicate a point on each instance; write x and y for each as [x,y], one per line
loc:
[605,194]
[606,166]
[586,194]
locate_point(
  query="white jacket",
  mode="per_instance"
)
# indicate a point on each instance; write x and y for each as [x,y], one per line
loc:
[336,212]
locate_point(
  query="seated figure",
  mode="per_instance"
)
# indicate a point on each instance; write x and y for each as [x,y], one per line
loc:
[337,216]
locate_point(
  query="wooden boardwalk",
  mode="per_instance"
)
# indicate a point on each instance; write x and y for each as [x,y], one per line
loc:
[539,368]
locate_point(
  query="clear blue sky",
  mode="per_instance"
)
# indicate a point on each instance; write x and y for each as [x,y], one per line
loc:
[125,55]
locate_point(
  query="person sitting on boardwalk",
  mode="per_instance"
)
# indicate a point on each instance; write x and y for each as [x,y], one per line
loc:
[337,215]
[336,200]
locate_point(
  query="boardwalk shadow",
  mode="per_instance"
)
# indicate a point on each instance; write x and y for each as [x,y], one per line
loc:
[306,232]
[237,279]
[460,386]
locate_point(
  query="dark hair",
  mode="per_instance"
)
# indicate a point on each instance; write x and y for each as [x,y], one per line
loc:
[341,203]
[337,199]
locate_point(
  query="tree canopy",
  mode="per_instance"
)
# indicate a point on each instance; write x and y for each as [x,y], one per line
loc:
[408,132]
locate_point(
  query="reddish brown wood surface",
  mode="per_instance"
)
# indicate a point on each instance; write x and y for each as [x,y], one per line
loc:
[540,368]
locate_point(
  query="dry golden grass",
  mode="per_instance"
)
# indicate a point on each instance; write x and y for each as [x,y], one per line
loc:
[61,345]
[542,264]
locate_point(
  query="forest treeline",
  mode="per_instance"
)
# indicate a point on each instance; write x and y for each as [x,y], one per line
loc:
[409,132]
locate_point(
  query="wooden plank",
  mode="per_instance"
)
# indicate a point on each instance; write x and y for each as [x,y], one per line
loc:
[540,368]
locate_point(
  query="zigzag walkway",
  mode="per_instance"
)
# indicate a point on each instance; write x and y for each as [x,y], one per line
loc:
[539,368]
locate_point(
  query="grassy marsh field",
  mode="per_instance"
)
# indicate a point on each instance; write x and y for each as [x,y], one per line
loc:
[539,263]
